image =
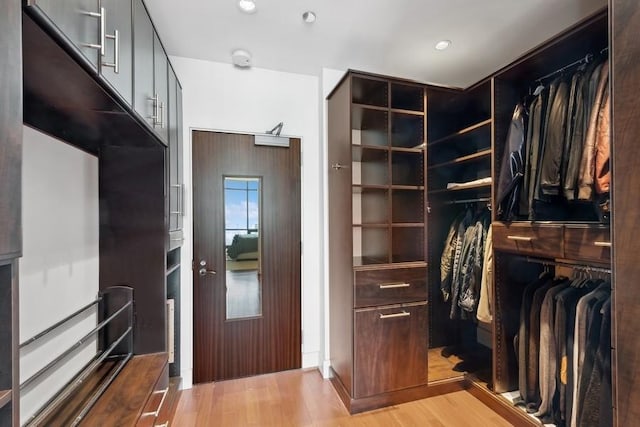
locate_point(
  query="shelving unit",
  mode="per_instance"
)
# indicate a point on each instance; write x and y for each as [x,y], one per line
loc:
[378,183]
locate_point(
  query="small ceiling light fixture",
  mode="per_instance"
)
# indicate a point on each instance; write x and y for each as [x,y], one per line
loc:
[247,6]
[443,44]
[309,17]
[241,58]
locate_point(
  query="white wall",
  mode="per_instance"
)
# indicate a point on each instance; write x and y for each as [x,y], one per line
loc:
[330,79]
[218,96]
[59,268]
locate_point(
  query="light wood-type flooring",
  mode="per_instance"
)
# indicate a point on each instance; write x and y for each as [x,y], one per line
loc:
[303,398]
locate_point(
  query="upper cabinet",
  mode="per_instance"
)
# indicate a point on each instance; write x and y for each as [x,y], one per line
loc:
[116,64]
[144,103]
[80,21]
[161,88]
[176,198]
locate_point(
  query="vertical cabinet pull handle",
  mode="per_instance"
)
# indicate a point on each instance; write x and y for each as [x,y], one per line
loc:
[116,52]
[155,116]
[395,315]
[101,23]
[162,114]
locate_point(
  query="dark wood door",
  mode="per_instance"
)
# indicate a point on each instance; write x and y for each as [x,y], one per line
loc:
[390,349]
[271,341]
[78,21]
[143,63]
[118,18]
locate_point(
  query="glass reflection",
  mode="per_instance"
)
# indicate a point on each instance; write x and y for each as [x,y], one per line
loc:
[242,243]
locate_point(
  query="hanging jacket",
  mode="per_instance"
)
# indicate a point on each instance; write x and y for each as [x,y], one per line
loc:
[534,139]
[587,164]
[603,148]
[448,255]
[512,167]
[554,141]
[485,303]
[471,275]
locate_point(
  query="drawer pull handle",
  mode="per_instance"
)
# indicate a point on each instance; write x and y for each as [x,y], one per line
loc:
[395,285]
[394,315]
[157,411]
[602,244]
[520,238]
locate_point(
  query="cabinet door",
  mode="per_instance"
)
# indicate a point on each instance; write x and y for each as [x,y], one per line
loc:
[161,88]
[174,185]
[390,349]
[143,102]
[79,21]
[116,64]
[180,154]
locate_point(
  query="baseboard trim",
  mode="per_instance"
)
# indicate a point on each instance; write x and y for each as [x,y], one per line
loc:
[355,406]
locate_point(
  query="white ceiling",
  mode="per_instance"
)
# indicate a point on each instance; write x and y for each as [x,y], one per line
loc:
[393,37]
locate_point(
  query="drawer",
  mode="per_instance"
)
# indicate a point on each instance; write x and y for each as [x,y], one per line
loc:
[390,348]
[587,243]
[392,286]
[155,401]
[543,240]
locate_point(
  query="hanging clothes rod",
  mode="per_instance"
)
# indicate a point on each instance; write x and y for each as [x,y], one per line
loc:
[586,60]
[581,267]
[463,201]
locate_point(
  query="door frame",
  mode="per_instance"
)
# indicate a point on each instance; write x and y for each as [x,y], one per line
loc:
[191,274]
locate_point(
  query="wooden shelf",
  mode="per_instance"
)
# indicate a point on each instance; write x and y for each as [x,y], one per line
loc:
[360,188]
[172,269]
[474,187]
[407,150]
[409,112]
[462,132]
[408,187]
[372,225]
[464,159]
[370,107]
[5,398]
[407,224]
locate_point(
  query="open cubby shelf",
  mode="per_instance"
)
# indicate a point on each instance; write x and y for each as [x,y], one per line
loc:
[369,91]
[463,132]
[406,97]
[5,397]
[480,155]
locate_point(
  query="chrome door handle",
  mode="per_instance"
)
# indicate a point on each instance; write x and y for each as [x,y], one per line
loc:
[102,17]
[116,52]
[338,166]
[203,272]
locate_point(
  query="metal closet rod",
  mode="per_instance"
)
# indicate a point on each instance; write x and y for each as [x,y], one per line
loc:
[460,202]
[582,267]
[586,60]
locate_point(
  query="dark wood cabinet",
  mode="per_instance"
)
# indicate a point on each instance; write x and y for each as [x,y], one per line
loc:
[390,349]
[116,65]
[377,241]
[143,67]
[78,21]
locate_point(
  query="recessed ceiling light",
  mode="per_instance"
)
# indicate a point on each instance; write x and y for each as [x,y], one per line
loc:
[247,6]
[309,17]
[443,44]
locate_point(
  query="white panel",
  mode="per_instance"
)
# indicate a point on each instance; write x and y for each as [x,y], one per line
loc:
[59,269]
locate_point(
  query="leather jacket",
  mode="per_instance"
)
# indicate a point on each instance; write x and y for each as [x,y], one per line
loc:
[512,167]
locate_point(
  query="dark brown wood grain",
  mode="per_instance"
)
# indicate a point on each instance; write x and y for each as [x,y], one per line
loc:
[543,240]
[385,287]
[230,349]
[389,353]
[625,80]
[133,236]
[123,402]
[585,243]
[10,131]
[340,235]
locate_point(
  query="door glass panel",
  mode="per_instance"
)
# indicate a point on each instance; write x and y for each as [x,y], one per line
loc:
[242,247]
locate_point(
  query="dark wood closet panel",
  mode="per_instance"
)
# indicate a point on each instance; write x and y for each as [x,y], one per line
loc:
[625,78]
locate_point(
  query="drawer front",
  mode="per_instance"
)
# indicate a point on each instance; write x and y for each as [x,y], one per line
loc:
[530,239]
[587,243]
[390,349]
[386,287]
[156,400]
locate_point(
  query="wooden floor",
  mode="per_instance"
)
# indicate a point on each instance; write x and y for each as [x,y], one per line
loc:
[440,367]
[303,398]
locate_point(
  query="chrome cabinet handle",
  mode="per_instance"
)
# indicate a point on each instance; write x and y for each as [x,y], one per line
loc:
[338,166]
[394,285]
[602,244]
[116,52]
[156,113]
[102,17]
[162,114]
[520,238]
[394,315]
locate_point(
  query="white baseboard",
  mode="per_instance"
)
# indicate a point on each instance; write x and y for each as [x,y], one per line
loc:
[310,360]
[187,379]
[326,369]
